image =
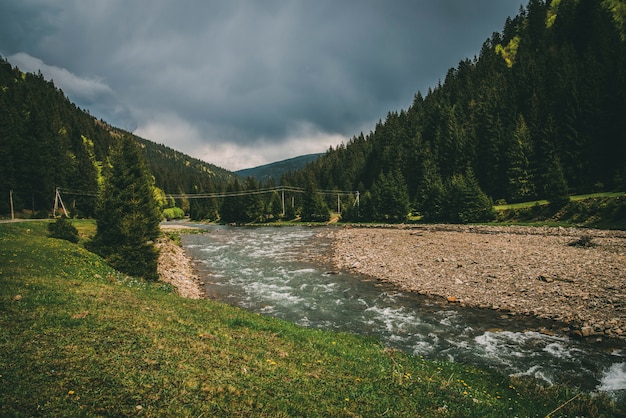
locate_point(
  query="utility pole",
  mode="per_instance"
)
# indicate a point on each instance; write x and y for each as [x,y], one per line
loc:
[57,199]
[283,195]
[11,198]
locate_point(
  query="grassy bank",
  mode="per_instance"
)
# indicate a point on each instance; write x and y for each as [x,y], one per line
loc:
[78,338]
[598,210]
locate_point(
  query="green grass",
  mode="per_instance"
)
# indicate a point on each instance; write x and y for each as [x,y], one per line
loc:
[80,339]
[597,210]
[524,205]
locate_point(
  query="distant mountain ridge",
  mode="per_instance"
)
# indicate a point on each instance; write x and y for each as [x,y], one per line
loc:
[276,170]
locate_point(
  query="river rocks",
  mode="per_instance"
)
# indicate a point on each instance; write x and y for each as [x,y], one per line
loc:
[546,279]
[515,270]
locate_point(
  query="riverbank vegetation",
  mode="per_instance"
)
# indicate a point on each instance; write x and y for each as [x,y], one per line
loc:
[79,338]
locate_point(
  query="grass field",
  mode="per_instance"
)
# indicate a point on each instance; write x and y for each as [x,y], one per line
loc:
[574,198]
[80,339]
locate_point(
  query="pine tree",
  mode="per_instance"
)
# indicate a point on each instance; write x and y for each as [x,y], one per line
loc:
[390,198]
[253,203]
[127,215]
[556,185]
[314,209]
[465,202]
[519,185]
[232,209]
[275,206]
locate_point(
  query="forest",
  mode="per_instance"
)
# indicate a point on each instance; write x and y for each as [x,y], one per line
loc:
[47,142]
[538,114]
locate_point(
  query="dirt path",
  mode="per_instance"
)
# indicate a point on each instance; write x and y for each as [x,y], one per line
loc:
[516,270]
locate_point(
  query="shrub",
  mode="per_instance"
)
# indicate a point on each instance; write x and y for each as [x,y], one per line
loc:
[63,229]
[173,213]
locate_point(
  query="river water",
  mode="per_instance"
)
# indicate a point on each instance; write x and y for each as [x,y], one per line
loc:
[281,272]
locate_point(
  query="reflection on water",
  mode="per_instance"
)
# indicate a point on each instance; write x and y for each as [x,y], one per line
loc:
[278,272]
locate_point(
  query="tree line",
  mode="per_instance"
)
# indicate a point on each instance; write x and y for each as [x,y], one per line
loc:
[46,142]
[539,114]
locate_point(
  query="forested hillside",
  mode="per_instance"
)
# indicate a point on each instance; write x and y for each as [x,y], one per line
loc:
[275,171]
[540,113]
[47,142]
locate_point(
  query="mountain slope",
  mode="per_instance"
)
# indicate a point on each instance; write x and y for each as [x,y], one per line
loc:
[47,142]
[539,114]
[276,170]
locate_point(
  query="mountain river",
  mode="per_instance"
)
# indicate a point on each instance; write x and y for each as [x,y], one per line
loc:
[282,272]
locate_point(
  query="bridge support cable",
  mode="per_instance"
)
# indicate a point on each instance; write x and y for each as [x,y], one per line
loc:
[279,189]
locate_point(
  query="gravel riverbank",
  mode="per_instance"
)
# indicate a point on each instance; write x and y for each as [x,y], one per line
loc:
[550,273]
[176,268]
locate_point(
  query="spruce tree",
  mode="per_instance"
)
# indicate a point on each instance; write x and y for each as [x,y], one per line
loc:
[556,185]
[314,209]
[519,183]
[253,203]
[465,202]
[127,214]
[390,198]
[275,206]
[232,209]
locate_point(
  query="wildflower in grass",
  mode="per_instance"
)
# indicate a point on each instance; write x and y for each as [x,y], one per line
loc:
[70,392]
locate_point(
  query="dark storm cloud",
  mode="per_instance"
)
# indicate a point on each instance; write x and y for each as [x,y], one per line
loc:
[216,79]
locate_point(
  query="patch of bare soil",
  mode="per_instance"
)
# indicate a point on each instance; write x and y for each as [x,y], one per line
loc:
[565,274]
[176,269]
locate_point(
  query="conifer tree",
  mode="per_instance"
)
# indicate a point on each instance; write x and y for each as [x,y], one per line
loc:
[232,209]
[253,203]
[314,209]
[390,198]
[519,186]
[127,215]
[275,206]
[465,202]
[556,185]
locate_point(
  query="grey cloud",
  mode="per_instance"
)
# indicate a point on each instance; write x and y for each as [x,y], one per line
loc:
[86,90]
[246,71]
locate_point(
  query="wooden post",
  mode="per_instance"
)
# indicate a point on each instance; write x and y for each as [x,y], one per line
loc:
[57,199]
[11,198]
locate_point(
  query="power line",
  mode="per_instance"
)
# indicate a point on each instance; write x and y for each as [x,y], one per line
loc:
[278,189]
[78,192]
[258,191]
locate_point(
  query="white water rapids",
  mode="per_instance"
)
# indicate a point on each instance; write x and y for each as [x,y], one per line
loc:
[265,270]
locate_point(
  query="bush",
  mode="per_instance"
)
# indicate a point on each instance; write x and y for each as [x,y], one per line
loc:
[173,213]
[63,229]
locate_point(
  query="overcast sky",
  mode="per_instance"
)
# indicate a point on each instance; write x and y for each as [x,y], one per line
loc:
[241,83]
